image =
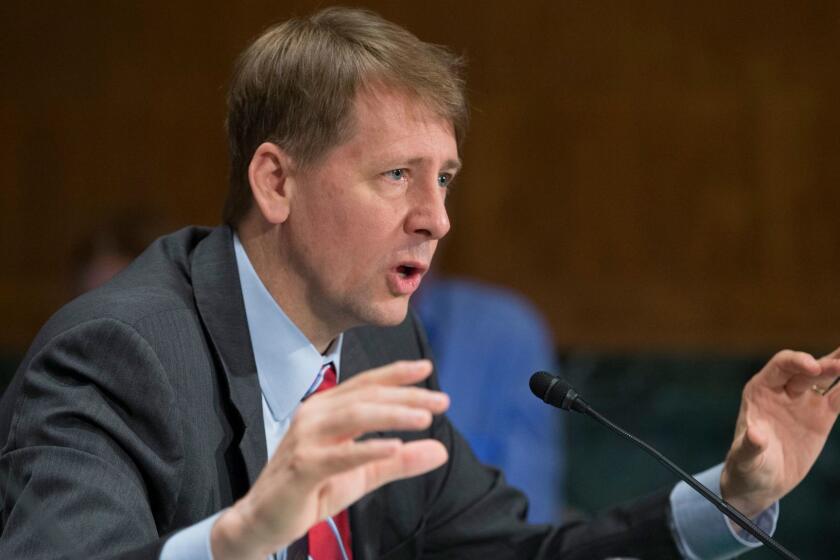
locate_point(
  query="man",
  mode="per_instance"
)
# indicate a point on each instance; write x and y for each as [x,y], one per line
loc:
[142,420]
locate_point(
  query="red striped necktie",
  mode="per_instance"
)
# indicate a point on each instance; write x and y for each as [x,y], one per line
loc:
[323,544]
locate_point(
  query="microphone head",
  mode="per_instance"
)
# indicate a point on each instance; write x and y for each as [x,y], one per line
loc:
[554,390]
[540,382]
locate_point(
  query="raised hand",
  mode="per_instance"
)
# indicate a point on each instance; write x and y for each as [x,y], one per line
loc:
[319,468]
[782,426]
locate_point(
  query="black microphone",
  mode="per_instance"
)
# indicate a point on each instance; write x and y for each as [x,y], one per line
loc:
[555,391]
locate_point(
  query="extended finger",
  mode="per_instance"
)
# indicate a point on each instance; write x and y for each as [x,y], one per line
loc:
[830,377]
[404,372]
[800,384]
[434,401]
[787,364]
[834,354]
[412,459]
[359,418]
[321,462]
[830,374]
[299,467]
[384,461]
[830,366]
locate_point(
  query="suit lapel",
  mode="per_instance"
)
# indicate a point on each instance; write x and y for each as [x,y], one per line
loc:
[219,300]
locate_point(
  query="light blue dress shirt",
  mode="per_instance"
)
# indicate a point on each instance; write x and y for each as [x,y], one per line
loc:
[289,368]
[702,529]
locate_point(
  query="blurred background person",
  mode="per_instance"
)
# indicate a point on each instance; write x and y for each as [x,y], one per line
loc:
[487,342]
[98,255]
[111,245]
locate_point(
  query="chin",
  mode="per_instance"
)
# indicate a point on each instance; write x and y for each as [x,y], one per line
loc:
[389,314]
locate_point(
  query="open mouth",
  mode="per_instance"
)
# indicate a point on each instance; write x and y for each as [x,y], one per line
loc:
[405,278]
[407,271]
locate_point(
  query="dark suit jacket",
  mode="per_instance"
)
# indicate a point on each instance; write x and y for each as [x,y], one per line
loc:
[137,412]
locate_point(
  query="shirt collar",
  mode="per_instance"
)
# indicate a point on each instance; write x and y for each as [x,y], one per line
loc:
[289,367]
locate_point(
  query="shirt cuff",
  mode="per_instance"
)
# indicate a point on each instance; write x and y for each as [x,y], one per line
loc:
[192,543]
[702,531]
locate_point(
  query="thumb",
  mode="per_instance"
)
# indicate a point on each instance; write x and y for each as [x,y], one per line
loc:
[747,453]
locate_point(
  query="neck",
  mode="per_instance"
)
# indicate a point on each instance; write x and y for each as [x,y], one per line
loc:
[261,244]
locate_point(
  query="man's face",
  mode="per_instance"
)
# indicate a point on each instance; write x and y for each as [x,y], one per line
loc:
[365,220]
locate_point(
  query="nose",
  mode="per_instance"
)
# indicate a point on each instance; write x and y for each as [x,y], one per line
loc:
[428,216]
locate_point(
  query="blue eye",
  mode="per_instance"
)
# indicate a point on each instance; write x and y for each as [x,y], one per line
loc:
[396,174]
[444,179]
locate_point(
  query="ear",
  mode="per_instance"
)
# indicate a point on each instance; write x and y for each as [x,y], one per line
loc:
[268,174]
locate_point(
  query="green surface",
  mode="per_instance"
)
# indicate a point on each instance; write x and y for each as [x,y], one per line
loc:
[686,407]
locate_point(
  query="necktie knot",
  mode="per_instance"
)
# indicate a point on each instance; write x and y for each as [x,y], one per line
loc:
[329,378]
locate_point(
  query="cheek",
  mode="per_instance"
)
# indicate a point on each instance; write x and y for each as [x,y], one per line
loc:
[358,232]
[366,244]
[367,220]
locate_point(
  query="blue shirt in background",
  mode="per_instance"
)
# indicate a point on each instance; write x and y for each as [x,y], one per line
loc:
[487,342]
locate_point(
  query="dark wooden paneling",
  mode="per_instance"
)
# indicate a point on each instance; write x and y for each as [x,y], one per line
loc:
[656,175]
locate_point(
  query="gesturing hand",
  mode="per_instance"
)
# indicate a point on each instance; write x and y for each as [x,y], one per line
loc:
[782,427]
[319,468]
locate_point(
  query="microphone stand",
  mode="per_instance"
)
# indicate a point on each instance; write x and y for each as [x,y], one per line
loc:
[736,516]
[570,400]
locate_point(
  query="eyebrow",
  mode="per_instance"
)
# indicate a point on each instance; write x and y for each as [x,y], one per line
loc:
[453,164]
[450,164]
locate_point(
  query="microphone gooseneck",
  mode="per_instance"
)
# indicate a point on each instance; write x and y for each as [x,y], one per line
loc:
[554,390]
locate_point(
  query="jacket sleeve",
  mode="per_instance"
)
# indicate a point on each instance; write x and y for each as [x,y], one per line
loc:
[91,463]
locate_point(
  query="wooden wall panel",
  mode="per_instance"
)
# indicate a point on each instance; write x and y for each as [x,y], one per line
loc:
[656,176]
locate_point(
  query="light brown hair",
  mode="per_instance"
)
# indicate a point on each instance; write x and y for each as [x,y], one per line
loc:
[295,86]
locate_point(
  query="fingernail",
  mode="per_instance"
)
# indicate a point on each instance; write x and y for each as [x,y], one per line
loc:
[416,364]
